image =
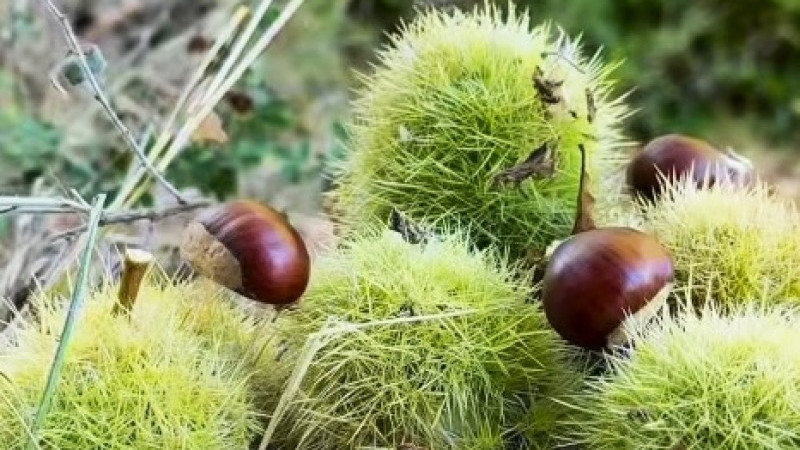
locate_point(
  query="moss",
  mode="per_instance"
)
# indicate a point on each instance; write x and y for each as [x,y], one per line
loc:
[451,104]
[173,376]
[700,381]
[438,348]
[733,245]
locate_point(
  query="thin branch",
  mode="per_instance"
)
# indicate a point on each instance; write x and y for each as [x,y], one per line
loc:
[75,46]
[152,214]
[44,205]
[133,216]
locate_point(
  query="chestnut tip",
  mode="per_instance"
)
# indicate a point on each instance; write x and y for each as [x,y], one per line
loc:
[251,249]
[599,280]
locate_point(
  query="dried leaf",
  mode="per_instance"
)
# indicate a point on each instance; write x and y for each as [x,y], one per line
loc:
[241,102]
[546,88]
[210,130]
[198,44]
[540,163]
[410,231]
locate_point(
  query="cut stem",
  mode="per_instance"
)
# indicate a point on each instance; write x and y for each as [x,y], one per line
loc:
[133,271]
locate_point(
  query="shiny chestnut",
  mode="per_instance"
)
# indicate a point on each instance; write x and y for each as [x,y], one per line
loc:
[673,156]
[249,248]
[599,279]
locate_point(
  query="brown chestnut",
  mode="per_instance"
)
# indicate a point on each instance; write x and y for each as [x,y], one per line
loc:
[249,248]
[598,279]
[673,156]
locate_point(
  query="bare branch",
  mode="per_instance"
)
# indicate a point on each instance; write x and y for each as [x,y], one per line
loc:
[100,96]
[133,216]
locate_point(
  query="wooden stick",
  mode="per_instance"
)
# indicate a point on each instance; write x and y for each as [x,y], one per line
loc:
[134,269]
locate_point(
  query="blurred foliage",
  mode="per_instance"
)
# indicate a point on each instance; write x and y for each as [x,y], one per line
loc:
[694,65]
[28,146]
[691,62]
[256,119]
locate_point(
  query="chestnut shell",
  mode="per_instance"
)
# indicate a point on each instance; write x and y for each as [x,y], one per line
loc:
[597,277]
[674,155]
[274,260]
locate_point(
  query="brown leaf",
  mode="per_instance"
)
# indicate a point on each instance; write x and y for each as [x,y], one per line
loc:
[198,44]
[591,107]
[546,88]
[411,232]
[210,130]
[540,163]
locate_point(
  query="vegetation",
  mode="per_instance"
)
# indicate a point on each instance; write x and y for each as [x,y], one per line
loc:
[740,249]
[443,126]
[452,168]
[708,381]
[437,347]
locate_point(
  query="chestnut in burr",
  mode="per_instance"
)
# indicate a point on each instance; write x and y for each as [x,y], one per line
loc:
[674,156]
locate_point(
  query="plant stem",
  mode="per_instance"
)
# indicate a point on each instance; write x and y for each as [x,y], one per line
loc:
[100,96]
[584,216]
[236,51]
[75,307]
[34,204]
[44,205]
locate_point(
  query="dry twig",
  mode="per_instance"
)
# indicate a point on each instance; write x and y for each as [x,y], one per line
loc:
[100,96]
[132,216]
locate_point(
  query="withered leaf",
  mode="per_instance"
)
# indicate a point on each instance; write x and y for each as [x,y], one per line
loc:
[540,163]
[546,88]
[210,130]
[410,231]
[591,107]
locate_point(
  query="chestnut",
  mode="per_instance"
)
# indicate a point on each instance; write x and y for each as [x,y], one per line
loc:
[673,156]
[600,278]
[249,248]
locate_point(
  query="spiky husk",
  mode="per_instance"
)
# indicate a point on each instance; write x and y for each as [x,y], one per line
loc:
[451,104]
[707,381]
[730,244]
[461,381]
[174,375]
